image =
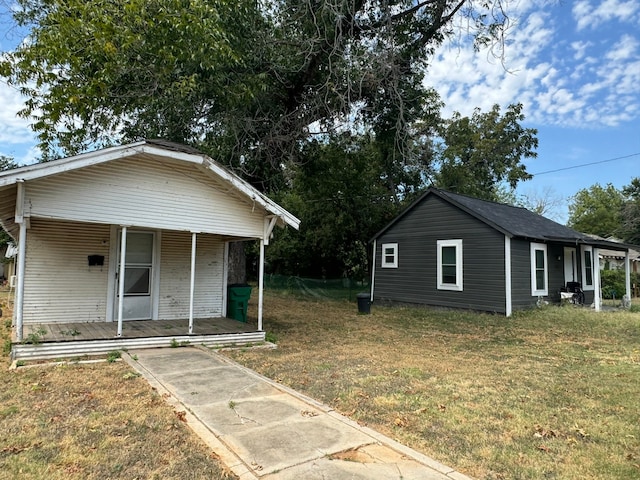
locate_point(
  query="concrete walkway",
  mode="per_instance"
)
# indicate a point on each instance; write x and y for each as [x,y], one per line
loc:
[263,430]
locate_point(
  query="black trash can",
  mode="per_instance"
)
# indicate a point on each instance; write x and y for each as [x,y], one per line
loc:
[238,301]
[364,303]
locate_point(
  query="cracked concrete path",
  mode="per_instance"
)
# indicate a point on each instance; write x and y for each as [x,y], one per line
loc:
[264,430]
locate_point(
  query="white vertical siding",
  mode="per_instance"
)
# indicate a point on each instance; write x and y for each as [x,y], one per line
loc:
[146,193]
[175,272]
[59,285]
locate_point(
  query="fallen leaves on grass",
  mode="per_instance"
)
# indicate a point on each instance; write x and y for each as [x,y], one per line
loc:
[400,422]
[541,432]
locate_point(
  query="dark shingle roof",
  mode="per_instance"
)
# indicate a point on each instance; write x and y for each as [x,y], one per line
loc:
[510,220]
[516,221]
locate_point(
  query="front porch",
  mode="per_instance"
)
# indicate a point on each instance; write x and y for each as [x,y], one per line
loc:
[46,341]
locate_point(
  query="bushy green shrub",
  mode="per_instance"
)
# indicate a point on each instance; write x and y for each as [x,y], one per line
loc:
[613,285]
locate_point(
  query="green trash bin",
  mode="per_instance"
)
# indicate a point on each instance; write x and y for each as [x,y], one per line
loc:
[238,301]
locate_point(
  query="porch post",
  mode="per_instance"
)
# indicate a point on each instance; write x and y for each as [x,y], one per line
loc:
[627,275]
[193,280]
[260,284]
[22,255]
[22,247]
[597,287]
[123,256]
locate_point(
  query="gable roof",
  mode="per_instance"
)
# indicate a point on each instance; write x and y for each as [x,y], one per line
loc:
[515,222]
[153,148]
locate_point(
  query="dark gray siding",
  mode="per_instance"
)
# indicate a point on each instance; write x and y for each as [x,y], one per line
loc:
[556,270]
[414,281]
[521,275]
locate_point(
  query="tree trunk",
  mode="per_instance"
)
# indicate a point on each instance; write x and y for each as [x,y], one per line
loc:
[237,264]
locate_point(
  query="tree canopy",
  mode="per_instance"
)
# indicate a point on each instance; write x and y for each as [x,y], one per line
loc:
[599,210]
[324,104]
[242,79]
[479,154]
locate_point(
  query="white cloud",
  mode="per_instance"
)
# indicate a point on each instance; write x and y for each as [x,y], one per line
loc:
[580,49]
[13,129]
[586,15]
[561,76]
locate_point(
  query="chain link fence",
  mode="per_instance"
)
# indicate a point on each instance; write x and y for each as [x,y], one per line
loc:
[342,288]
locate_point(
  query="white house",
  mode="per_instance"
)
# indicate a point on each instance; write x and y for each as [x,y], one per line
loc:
[158,214]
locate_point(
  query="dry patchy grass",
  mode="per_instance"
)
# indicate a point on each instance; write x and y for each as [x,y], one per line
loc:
[93,421]
[546,394]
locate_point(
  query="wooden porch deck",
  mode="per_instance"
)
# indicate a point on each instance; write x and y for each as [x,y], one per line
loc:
[65,340]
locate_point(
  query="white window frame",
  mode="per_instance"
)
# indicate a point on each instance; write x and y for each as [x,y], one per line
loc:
[585,285]
[458,286]
[394,263]
[534,291]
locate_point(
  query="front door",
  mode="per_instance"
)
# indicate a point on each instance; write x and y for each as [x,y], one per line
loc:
[570,265]
[138,276]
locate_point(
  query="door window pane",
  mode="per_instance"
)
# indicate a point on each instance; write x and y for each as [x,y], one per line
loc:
[139,248]
[588,271]
[137,280]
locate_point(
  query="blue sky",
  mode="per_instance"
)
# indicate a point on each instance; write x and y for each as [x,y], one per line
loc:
[575,66]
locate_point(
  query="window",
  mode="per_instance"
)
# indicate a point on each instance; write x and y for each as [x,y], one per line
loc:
[450,265]
[587,268]
[539,270]
[389,255]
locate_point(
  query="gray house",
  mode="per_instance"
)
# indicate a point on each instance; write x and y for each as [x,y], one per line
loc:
[451,250]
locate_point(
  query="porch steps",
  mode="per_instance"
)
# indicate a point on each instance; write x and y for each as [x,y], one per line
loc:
[81,348]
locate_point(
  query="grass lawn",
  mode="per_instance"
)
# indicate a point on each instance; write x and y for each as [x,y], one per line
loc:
[552,393]
[92,421]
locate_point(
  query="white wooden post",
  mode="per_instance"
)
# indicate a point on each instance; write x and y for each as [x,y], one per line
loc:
[22,255]
[193,280]
[507,276]
[260,284]
[597,285]
[225,276]
[22,251]
[627,276]
[123,256]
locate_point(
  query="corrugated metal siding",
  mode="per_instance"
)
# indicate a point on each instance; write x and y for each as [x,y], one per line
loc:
[175,273]
[145,193]
[414,281]
[59,284]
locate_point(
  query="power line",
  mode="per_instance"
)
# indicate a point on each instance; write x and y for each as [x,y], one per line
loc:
[586,164]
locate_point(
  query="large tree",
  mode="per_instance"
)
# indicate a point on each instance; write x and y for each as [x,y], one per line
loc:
[480,153]
[304,98]
[341,194]
[247,81]
[630,214]
[596,210]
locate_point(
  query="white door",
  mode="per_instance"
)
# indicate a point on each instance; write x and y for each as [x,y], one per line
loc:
[138,276]
[570,265]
